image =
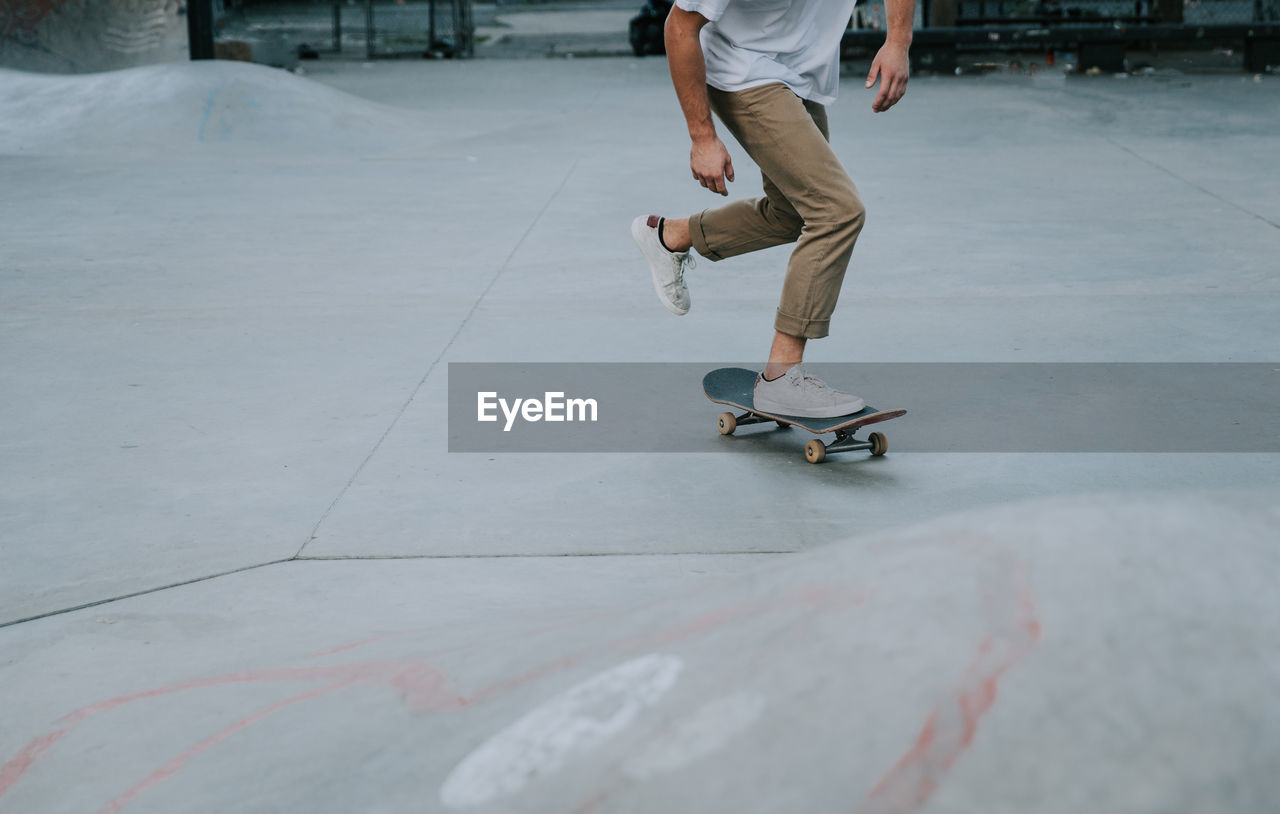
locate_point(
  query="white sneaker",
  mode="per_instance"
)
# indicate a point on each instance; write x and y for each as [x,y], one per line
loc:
[667,267]
[797,393]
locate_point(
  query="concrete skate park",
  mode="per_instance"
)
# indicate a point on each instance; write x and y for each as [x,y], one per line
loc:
[243,571]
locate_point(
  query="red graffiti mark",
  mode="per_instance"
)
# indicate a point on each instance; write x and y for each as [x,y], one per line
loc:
[818,597]
[825,597]
[422,688]
[19,18]
[176,765]
[419,683]
[951,726]
[11,771]
[592,803]
[508,684]
[342,648]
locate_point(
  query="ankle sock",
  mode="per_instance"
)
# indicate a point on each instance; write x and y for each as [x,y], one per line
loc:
[663,243]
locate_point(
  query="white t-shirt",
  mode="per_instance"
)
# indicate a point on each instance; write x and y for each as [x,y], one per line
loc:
[755,42]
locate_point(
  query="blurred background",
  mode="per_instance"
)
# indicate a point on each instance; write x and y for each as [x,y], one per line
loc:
[69,36]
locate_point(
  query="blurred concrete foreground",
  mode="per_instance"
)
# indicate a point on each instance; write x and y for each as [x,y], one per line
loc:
[241,572]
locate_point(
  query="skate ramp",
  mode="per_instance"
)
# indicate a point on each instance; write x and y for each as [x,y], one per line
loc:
[1102,654]
[208,107]
[1098,654]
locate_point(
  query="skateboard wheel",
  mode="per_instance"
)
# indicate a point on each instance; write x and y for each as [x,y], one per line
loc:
[879,444]
[727,423]
[815,451]
[782,425]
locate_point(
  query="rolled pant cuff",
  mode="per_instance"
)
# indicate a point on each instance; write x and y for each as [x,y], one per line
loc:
[799,327]
[699,238]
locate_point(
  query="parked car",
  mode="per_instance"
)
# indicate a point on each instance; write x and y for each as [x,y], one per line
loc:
[646,28]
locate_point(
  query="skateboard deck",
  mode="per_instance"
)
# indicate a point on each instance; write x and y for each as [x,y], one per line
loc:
[734,386]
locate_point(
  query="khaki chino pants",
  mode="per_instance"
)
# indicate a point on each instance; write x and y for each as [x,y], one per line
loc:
[809,200]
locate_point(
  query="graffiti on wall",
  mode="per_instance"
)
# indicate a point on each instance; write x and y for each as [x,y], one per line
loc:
[19,18]
[89,35]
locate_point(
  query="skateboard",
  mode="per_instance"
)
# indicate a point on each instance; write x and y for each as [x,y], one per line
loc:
[734,386]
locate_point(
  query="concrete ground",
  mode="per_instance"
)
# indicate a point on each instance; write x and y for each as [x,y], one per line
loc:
[242,572]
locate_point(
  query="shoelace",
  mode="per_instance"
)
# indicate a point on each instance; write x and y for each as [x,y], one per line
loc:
[812,383]
[686,263]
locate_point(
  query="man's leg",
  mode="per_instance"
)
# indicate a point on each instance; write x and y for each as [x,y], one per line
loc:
[809,197]
[786,137]
[740,227]
[786,352]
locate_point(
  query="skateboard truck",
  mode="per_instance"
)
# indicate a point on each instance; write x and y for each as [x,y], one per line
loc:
[814,451]
[845,442]
[728,422]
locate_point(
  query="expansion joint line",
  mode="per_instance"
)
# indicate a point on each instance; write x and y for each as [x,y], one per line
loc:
[1158,166]
[143,592]
[1191,183]
[550,555]
[506,264]
[390,557]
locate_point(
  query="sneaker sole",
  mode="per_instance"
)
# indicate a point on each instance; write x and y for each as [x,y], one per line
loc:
[814,413]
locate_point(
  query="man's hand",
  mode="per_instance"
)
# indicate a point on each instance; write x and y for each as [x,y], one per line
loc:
[708,159]
[711,164]
[893,67]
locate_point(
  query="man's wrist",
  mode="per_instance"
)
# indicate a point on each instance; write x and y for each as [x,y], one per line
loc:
[899,39]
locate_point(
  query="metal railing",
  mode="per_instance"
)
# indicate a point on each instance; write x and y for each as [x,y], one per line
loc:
[1100,30]
[951,13]
[369,28]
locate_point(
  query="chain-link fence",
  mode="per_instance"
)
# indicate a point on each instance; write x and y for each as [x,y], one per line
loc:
[280,32]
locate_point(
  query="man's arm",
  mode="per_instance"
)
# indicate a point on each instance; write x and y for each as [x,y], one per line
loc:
[708,158]
[891,62]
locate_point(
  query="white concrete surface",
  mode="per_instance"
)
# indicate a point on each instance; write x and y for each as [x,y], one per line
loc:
[1115,653]
[228,297]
